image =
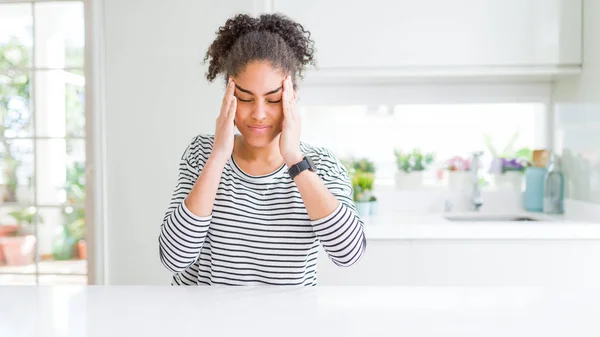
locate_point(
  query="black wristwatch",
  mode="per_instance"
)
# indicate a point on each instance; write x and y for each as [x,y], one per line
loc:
[305,164]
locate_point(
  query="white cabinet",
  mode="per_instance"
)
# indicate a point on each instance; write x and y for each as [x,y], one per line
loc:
[384,263]
[470,263]
[454,36]
[505,263]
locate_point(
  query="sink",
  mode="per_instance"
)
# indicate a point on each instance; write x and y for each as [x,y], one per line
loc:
[488,217]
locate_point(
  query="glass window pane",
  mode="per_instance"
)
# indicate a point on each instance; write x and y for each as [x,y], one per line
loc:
[16,171]
[60,172]
[61,236]
[59,102]
[17,279]
[59,34]
[15,103]
[446,130]
[62,279]
[16,37]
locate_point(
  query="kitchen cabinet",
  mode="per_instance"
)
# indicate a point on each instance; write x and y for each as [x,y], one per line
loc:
[384,263]
[470,263]
[381,38]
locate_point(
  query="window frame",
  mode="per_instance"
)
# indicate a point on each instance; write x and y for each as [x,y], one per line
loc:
[92,70]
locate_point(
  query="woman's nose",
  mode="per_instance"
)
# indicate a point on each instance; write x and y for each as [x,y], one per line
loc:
[259,112]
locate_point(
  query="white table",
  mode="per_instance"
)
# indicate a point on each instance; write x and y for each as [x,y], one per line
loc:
[318,311]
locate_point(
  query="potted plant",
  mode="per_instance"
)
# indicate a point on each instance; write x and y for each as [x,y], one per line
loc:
[362,174]
[508,173]
[362,183]
[508,166]
[458,169]
[76,231]
[410,168]
[18,247]
[4,231]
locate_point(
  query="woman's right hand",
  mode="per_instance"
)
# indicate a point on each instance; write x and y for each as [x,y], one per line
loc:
[224,132]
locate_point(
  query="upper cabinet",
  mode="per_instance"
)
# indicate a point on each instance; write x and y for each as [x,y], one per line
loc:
[382,38]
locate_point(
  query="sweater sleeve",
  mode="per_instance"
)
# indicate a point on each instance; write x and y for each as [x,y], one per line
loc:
[341,232]
[182,233]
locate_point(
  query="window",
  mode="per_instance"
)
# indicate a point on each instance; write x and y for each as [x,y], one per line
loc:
[42,143]
[445,130]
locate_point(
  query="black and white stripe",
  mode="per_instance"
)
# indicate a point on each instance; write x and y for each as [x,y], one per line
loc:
[259,231]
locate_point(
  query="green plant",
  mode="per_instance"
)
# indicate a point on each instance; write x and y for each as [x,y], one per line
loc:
[362,183]
[413,161]
[25,218]
[509,152]
[364,165]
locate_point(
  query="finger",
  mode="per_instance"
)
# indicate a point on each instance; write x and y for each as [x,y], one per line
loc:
[291,99]
[285,98]
[227,97]
[232,109]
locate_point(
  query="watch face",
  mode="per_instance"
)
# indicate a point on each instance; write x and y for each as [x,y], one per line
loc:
[311,164]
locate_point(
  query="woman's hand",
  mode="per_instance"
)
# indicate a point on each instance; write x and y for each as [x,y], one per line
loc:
[224,134]
[289,141]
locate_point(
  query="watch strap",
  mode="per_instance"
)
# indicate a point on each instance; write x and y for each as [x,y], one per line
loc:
[296,169]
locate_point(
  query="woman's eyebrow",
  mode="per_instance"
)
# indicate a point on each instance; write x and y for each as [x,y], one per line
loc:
[250,92]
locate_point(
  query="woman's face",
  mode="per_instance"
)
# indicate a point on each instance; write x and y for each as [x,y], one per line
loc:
[259,114]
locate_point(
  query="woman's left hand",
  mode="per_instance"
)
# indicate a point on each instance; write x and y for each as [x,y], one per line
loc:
[289,141]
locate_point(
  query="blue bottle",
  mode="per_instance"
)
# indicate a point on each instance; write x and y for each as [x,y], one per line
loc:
[533,198]
[554,187]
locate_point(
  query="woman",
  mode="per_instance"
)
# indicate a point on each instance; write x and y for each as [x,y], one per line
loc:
[252,208]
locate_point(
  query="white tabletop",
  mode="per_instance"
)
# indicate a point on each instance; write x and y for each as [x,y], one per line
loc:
[318,311]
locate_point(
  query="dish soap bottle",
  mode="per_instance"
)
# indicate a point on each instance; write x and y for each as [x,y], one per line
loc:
[554,185]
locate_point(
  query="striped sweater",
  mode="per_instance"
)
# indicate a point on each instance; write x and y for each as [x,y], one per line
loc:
[259,231]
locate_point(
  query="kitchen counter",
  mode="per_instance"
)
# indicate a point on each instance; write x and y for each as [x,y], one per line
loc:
[412,226]
[286,311]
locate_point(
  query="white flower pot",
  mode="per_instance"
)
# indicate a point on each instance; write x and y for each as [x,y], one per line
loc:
[409,181]
[459,180]
[512,180]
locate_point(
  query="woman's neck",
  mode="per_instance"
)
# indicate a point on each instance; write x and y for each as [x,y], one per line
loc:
[268,155]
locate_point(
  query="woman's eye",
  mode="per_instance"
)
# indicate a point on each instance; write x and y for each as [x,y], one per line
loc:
[245,100]
[273,102]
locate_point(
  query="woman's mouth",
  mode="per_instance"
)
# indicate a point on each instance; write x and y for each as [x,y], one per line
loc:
[259,128]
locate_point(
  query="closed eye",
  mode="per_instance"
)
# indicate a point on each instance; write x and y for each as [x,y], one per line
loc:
[249,100]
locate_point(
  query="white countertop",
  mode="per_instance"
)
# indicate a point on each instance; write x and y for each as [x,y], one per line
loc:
[422,226]
[315,311]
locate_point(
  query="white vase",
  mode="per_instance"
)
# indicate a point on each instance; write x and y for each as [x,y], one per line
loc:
[459,180]
[509,180]
[409,181]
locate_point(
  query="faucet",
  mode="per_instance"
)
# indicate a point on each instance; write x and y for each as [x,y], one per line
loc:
[476,200]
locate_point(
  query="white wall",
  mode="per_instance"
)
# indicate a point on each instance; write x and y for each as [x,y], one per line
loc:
[577,119]
[157,99]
